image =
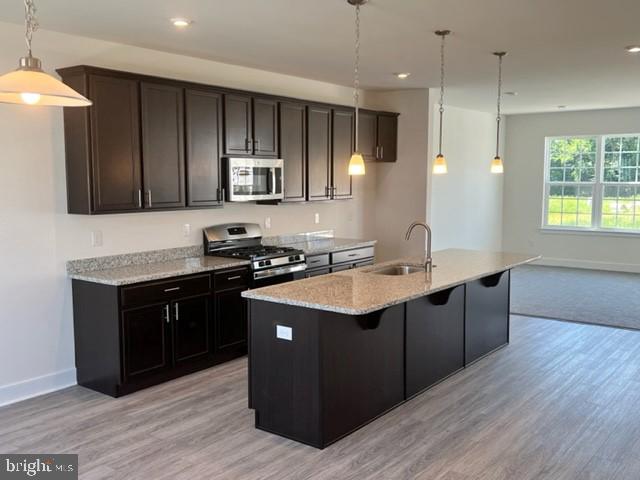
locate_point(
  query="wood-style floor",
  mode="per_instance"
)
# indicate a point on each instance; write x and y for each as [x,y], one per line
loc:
[561,402]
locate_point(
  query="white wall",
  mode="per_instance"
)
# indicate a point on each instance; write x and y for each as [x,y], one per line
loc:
[523,196]
[37,236]
[401,187]
[465,204]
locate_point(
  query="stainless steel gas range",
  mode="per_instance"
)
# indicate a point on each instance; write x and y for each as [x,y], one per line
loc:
[269,264]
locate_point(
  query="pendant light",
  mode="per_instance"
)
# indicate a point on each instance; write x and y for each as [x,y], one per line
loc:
[356,163]
[440,163]
[496,163]
[29,84]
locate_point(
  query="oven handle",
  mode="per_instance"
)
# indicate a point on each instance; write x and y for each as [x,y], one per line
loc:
[273,272]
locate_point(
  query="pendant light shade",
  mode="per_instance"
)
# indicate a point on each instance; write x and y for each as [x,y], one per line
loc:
[440,163]
[356,163]
[29,84]
[496,164]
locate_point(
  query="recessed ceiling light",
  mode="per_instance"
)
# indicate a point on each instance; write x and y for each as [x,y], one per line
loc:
[633,49]
[403,75]
[511,94]
[181,22]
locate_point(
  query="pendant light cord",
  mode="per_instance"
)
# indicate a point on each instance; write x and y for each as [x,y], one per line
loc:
[31,23]
[443,35]
[356,74]
[499,114]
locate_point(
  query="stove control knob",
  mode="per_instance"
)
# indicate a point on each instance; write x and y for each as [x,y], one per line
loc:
[267,262]
[292,259]
[297,257]
[261,263]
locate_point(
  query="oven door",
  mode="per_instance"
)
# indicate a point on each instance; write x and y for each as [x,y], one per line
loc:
[251,179]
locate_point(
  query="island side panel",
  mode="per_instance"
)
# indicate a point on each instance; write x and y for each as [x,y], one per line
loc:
[362,368]
[285,374]
[486,315]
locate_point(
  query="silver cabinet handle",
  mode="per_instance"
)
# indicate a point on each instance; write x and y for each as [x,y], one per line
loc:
[248,144]
[378,151]
[381,152]
[176,311]
[149,194]
[222,196]
[352,255]
[236,277]
[166,313]
[139,198]
[257,143]
[174,289]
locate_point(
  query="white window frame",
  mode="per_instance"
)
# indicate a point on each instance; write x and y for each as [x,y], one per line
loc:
[598,189]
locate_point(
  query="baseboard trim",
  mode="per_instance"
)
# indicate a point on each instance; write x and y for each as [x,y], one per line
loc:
[33,387]
[588,264]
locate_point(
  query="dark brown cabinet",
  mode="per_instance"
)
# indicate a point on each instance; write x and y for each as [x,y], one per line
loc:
[203,112]
[487,317]
[434,338]
[134,336]
[387,150]
[368,135]
[293,150]
[319,153]
[191,329]
[163,145]
[251,126]
[343,147]
[150,143]
[145,341]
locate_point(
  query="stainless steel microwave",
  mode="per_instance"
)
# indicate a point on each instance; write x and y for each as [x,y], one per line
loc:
[250,179]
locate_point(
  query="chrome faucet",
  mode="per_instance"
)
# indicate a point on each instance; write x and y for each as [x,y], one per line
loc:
[428,262]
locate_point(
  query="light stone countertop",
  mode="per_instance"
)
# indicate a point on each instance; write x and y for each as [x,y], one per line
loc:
[146,272]
[318,246]
[358,292]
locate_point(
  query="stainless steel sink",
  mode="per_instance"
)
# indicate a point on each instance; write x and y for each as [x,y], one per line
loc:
[399,270]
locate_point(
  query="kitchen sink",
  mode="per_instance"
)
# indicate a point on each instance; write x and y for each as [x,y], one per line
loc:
[399,270]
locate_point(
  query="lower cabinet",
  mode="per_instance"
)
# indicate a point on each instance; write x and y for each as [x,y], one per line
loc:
[131,337]
[434,347]
[339,261]
[487,315]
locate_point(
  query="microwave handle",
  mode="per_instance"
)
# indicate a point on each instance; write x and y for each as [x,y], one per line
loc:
[273,180]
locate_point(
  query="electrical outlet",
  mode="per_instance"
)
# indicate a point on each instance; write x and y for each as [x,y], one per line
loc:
[96,238]
[267,222]
[186,229]
[316,218]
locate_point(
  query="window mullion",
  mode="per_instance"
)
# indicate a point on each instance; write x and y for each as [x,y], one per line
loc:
[596,211]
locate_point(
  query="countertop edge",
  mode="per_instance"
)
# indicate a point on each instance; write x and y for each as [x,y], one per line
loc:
[254,295]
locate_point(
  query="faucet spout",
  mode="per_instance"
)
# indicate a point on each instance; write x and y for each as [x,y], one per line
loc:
[428,263]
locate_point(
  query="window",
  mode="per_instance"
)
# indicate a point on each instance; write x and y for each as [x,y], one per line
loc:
[593,183]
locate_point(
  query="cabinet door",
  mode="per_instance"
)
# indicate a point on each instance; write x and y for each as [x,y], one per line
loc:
[343,139]
[115,144]
[145,344]
[265,127]
[487,315]
[367,135]
[319,152]
[434,338]
[230,318]
[237,125]
[191,333]
[387,138]
[293,150]
[163,145]
[203,133]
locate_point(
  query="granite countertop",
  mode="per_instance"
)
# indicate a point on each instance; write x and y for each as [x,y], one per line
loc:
[126,275]
[358,292]
[317,246]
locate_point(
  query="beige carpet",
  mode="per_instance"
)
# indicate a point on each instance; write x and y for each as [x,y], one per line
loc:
[578,295]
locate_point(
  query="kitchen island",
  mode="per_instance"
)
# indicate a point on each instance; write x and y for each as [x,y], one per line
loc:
[329,354]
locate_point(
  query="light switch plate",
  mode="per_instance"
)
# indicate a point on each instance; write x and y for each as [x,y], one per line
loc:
[267,222]
[316,218]
[96,238]
[186,229]
[284,333]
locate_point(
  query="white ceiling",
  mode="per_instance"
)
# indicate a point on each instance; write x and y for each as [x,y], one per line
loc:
[561,52]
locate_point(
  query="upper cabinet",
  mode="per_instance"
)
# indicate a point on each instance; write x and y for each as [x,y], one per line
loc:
[343,146]
[150,143]
[163,145]
[203,113]
[251,126]
[293,150]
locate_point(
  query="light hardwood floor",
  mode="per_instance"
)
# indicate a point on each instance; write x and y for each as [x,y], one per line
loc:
[561,402]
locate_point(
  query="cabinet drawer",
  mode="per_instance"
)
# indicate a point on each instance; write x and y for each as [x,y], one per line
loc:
[317,272]
[352,255]
[228,279]
[165,290]
[341,268]
[314,261]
